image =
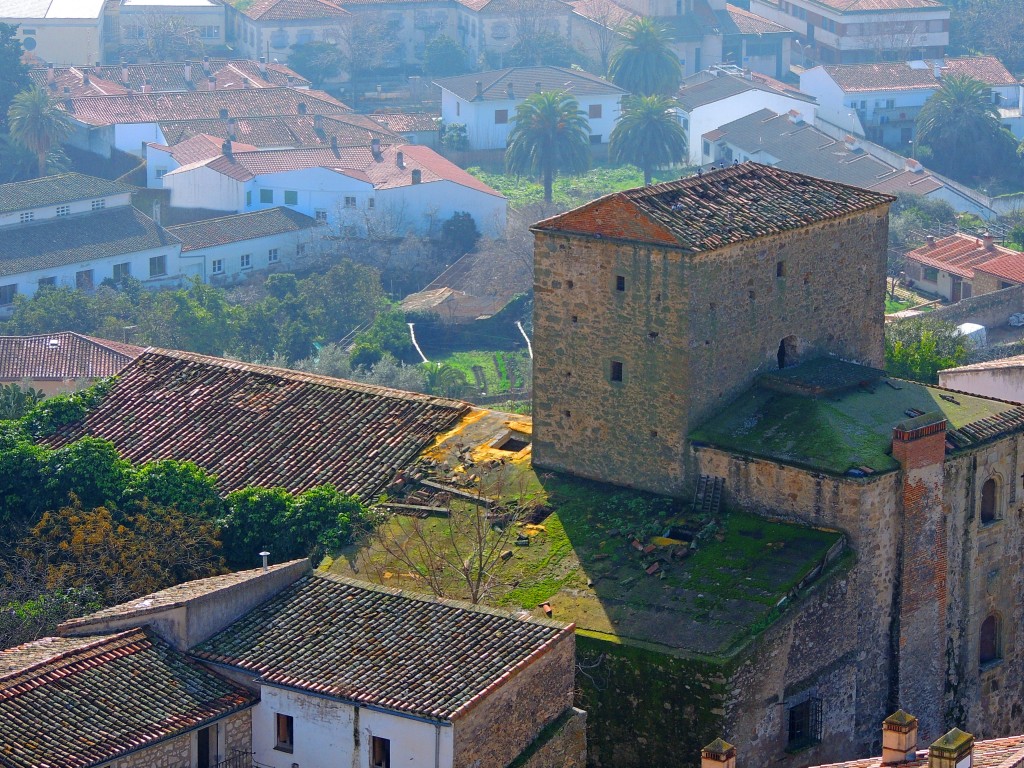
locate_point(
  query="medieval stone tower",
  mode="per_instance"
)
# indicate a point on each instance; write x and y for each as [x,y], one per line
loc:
[656,306]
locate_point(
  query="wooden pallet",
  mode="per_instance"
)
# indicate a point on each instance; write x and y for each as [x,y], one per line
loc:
[708,497]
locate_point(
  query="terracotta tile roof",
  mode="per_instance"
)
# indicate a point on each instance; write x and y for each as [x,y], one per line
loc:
[1017,361]
[705,88]
[56,190]
[605,12]
[852,6]
[730,205]
[29,654]
[406,122]
[382,647]
[169,76]
[747,23]
[550,7]
[987,69]
[200,147]
[192,105]
[917,75]
[357,162]
[524,82]
[961,254]
[1009,267]
[62,356]
[172,597]
[988,753]
[278,131]
[59,242]
[288,10]
[102,700]
[256,425]
[240,227]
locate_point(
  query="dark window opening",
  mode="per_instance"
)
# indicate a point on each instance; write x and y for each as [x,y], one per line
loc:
[567,414]
[514,443]
[804,724]
[620,283]
[988,501]
[616,371]
[751,295]
[500,116]
[654,433]
[652,335]
[380,751]
[285,733]
[988,647]
[788,353]
[780,269]
[569,284]
[575,319]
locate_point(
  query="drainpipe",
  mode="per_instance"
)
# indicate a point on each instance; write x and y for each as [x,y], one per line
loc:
[437,746]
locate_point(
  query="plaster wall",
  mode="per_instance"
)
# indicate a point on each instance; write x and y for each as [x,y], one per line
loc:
[1001,383]
[75,207]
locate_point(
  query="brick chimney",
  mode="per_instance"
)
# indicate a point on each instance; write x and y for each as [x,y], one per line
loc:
[375,149]
[954,750]
[718,754]
[989,241]
[899,738]
[930,239]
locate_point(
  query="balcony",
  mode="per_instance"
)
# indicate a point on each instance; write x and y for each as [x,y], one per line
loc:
[238,759]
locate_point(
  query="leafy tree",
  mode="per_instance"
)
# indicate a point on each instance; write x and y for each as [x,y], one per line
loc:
[995,27]
[255,521]
[444,57]
[316,61]
[645,63]
[458,234]
[389,333]
[23,472]
[37,615]
[347,296]
[16,162]
[322,519]
[89,469]
[648,134]
[542,48]
[180,484]
[918,349]
[455,137]
[960,127]
[444,380]
[550,135]
[37,124]
[15,402]
[198,318]
[13,72]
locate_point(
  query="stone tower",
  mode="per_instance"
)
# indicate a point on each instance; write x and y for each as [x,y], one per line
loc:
[656,306]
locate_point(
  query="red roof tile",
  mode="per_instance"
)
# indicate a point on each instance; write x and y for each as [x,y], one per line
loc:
[288,10]
[1009,267]
[279,131]
[61,356]
[881,5]
[200,147]
[605,12]
[902,76]
[404,122]
[256,425]
[748,23]
[960,254]
[989,753]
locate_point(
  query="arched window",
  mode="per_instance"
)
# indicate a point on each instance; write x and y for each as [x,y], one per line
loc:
[988,647]
[988,501]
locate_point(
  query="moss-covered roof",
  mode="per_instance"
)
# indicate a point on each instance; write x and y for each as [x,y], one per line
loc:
[848,429]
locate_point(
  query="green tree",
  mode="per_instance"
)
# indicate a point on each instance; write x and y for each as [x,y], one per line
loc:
[255,521]
[541,48]
[346,297]
[23,473]
[648,134]
[37,124]
[15,401]
[645,63]
[89,469]
[321,520]
[198,318]
[550,135]
[918,349]
[455,137]
[173,483]
[444,380]
[13,72]
[458,235]
[960,127]
[37,615]
[317,61]
[444,57]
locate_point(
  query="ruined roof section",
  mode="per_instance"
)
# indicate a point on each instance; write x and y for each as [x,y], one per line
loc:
[96,701]
[56,190]
[716,209]
[372,645]
[62,356]
[990,753]
[256,425]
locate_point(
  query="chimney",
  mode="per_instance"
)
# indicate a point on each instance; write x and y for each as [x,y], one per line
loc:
[479,91]
[852,143]
[263,66]
[188,73]
[718,754]
[49,73]
[124,71]
[264,554]
[417,175]
[223,113]
[536,87]
[930,239]
[795,117]
[748,75]
[400,159]
[899,738]
[375,149]
[989,241]
[510,90]
[211,83]
[334,146]
[302,107]
[912,165]
[920,441]
[225,148]
[318,122]
[937,69]
[954,750]
[147,87]
[156,211]
[85,77]
[206,64]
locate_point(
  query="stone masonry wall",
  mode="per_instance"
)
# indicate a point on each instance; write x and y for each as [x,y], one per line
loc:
[691,332]
[565,748]
[989,309]
[177,752]
[495,731]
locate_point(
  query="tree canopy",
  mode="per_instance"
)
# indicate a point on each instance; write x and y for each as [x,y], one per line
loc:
[550,135]
[443,57]
[37,124]
[13,72]
[645,63]
[317,61]
[918,349]
[648,134]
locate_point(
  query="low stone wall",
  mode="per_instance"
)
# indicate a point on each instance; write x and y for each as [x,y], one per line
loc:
[989,309]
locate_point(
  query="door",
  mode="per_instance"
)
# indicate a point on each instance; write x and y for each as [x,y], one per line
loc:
[206,747]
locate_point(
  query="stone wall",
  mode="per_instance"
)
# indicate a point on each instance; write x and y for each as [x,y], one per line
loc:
[989,309]
[496,730]
[561,745]
[177,752]
[691,331]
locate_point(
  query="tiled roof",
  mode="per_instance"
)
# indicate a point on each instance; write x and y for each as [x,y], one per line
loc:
[605,12]
[406,122]
[104,699]
[56,190]
[284,130]
[508,7]
[256,425]
[62,356]
[747,23]
[1009,267]
[193,105]
[172,597]
[381,647]
[524,82]
[288,10]
[987,69]
[988,753]
[240,227]
[730,205]
[73,239]
[853,6]
[357,162]
[961,254]
[706,87]
[200,147]
[1017,361]
[917,75]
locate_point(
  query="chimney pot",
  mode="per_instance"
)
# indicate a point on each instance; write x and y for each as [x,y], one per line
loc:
[930,239]
[953,750]
[400,159]
[417,176]
[264,555]
[718,754]
[989,241]
[479,91]
[899,738]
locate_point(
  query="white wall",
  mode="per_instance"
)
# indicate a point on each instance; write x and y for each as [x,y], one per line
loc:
[201,187]
[1003,383]
[62,41]
[200,262]
[132,137]
[423,205]
[324,734]
[195,16]
[76,207]
[158,159]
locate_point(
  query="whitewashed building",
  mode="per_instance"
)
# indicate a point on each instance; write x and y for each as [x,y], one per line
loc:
[58,31]
[486,102]
[203,19]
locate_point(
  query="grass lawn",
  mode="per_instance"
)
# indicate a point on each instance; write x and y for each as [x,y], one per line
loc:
[494,371]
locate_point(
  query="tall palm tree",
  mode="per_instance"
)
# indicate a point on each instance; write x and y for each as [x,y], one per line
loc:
[550,135]
[645,63]
[961,127]
[37,124]
[648,134]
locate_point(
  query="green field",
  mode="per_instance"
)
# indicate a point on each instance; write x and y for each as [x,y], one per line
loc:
[492,371]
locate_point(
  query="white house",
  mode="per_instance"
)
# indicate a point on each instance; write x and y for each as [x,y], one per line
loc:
[161,159]
[77,231]
[139,19]
[395,189]
[58,31]
[881,101]
[710,99]
[485,102]
[228,248]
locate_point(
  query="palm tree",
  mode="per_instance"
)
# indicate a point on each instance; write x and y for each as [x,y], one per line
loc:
[648,134]
[644,63]
[37,124]
[550,135]
[960,125]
